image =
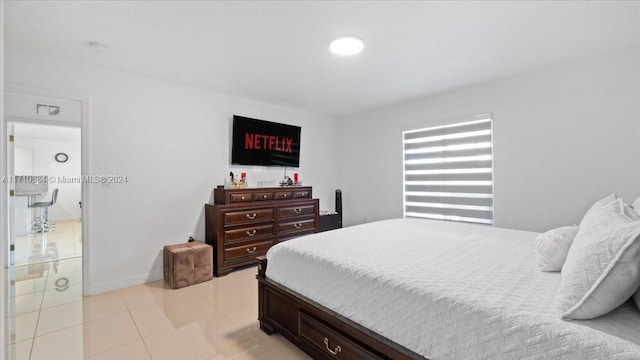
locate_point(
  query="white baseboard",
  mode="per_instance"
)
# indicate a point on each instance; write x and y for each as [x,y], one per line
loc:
[99,288]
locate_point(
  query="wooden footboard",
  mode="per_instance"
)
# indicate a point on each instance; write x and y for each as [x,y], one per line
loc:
[318,331]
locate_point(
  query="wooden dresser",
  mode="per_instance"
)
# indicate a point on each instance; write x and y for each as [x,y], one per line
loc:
[244,223]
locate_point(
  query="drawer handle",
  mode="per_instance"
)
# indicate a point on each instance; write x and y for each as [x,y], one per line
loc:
[297,226]
[251,217]
[284,195]
[251,233]
[297,211]
[335,351]
[242,198]
[251,251]
[264,196]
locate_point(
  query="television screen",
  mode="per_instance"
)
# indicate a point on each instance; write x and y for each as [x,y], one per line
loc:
[264,143]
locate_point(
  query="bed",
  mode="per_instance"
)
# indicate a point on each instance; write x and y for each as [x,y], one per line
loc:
[414,289]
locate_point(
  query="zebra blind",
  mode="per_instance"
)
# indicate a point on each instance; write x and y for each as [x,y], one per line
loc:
[448,171]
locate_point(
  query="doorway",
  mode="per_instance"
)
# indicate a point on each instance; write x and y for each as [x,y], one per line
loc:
[44,168]
[45,172]
[47,199]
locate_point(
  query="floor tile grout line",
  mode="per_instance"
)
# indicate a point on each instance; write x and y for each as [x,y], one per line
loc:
[83,323]
[48,307]
[56,330]
[58,305]
[223,313]
[115,347]
[15,341]
[70,326]
[138,330]
[146,347]
[35,331]
[135,323]
[70,257]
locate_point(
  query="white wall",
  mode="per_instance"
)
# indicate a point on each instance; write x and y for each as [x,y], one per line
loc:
[172,142]
[563,138]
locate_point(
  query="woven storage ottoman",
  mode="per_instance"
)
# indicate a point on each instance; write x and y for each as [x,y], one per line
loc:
[187,264]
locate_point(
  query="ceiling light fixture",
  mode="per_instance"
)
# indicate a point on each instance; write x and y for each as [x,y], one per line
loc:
[347,45]
[97,47]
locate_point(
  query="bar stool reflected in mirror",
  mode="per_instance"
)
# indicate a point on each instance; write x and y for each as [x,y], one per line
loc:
[41,224]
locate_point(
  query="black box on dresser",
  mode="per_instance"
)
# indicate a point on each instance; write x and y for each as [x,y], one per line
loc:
[245,223]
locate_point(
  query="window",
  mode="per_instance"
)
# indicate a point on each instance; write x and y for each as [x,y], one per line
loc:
[448,171]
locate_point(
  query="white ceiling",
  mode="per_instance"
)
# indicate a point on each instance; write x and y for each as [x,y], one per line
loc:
[277,52]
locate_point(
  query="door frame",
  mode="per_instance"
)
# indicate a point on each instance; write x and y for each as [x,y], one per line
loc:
[11,202]
[86,191]
[4,188]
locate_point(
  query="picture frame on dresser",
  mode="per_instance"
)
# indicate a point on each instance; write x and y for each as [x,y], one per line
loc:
[244,223]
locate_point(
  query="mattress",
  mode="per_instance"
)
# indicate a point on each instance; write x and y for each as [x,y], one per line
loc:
[448,291]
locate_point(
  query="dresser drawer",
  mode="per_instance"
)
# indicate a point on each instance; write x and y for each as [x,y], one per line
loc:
[297,210]
[283,195]
[248,233]
[330,342]
[263,196]
[248,250]
[247,216]
[242,197]
[302,194]
[300,225]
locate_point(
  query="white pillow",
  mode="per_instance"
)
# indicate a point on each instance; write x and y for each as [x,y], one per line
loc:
[636,205]
[602,269]
[631,213]
[598,204]
[553,246]
[636,211]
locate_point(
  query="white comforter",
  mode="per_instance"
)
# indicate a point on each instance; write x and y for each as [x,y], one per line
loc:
[448,291]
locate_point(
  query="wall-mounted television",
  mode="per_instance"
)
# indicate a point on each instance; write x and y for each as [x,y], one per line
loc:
[264,143]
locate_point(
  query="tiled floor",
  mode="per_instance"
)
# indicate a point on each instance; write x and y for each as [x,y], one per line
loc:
[62,242]
[213,320]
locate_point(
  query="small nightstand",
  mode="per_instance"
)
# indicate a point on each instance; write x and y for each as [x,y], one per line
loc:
[330,222]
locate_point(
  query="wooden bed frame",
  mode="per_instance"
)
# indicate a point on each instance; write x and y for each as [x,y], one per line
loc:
[318,331]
